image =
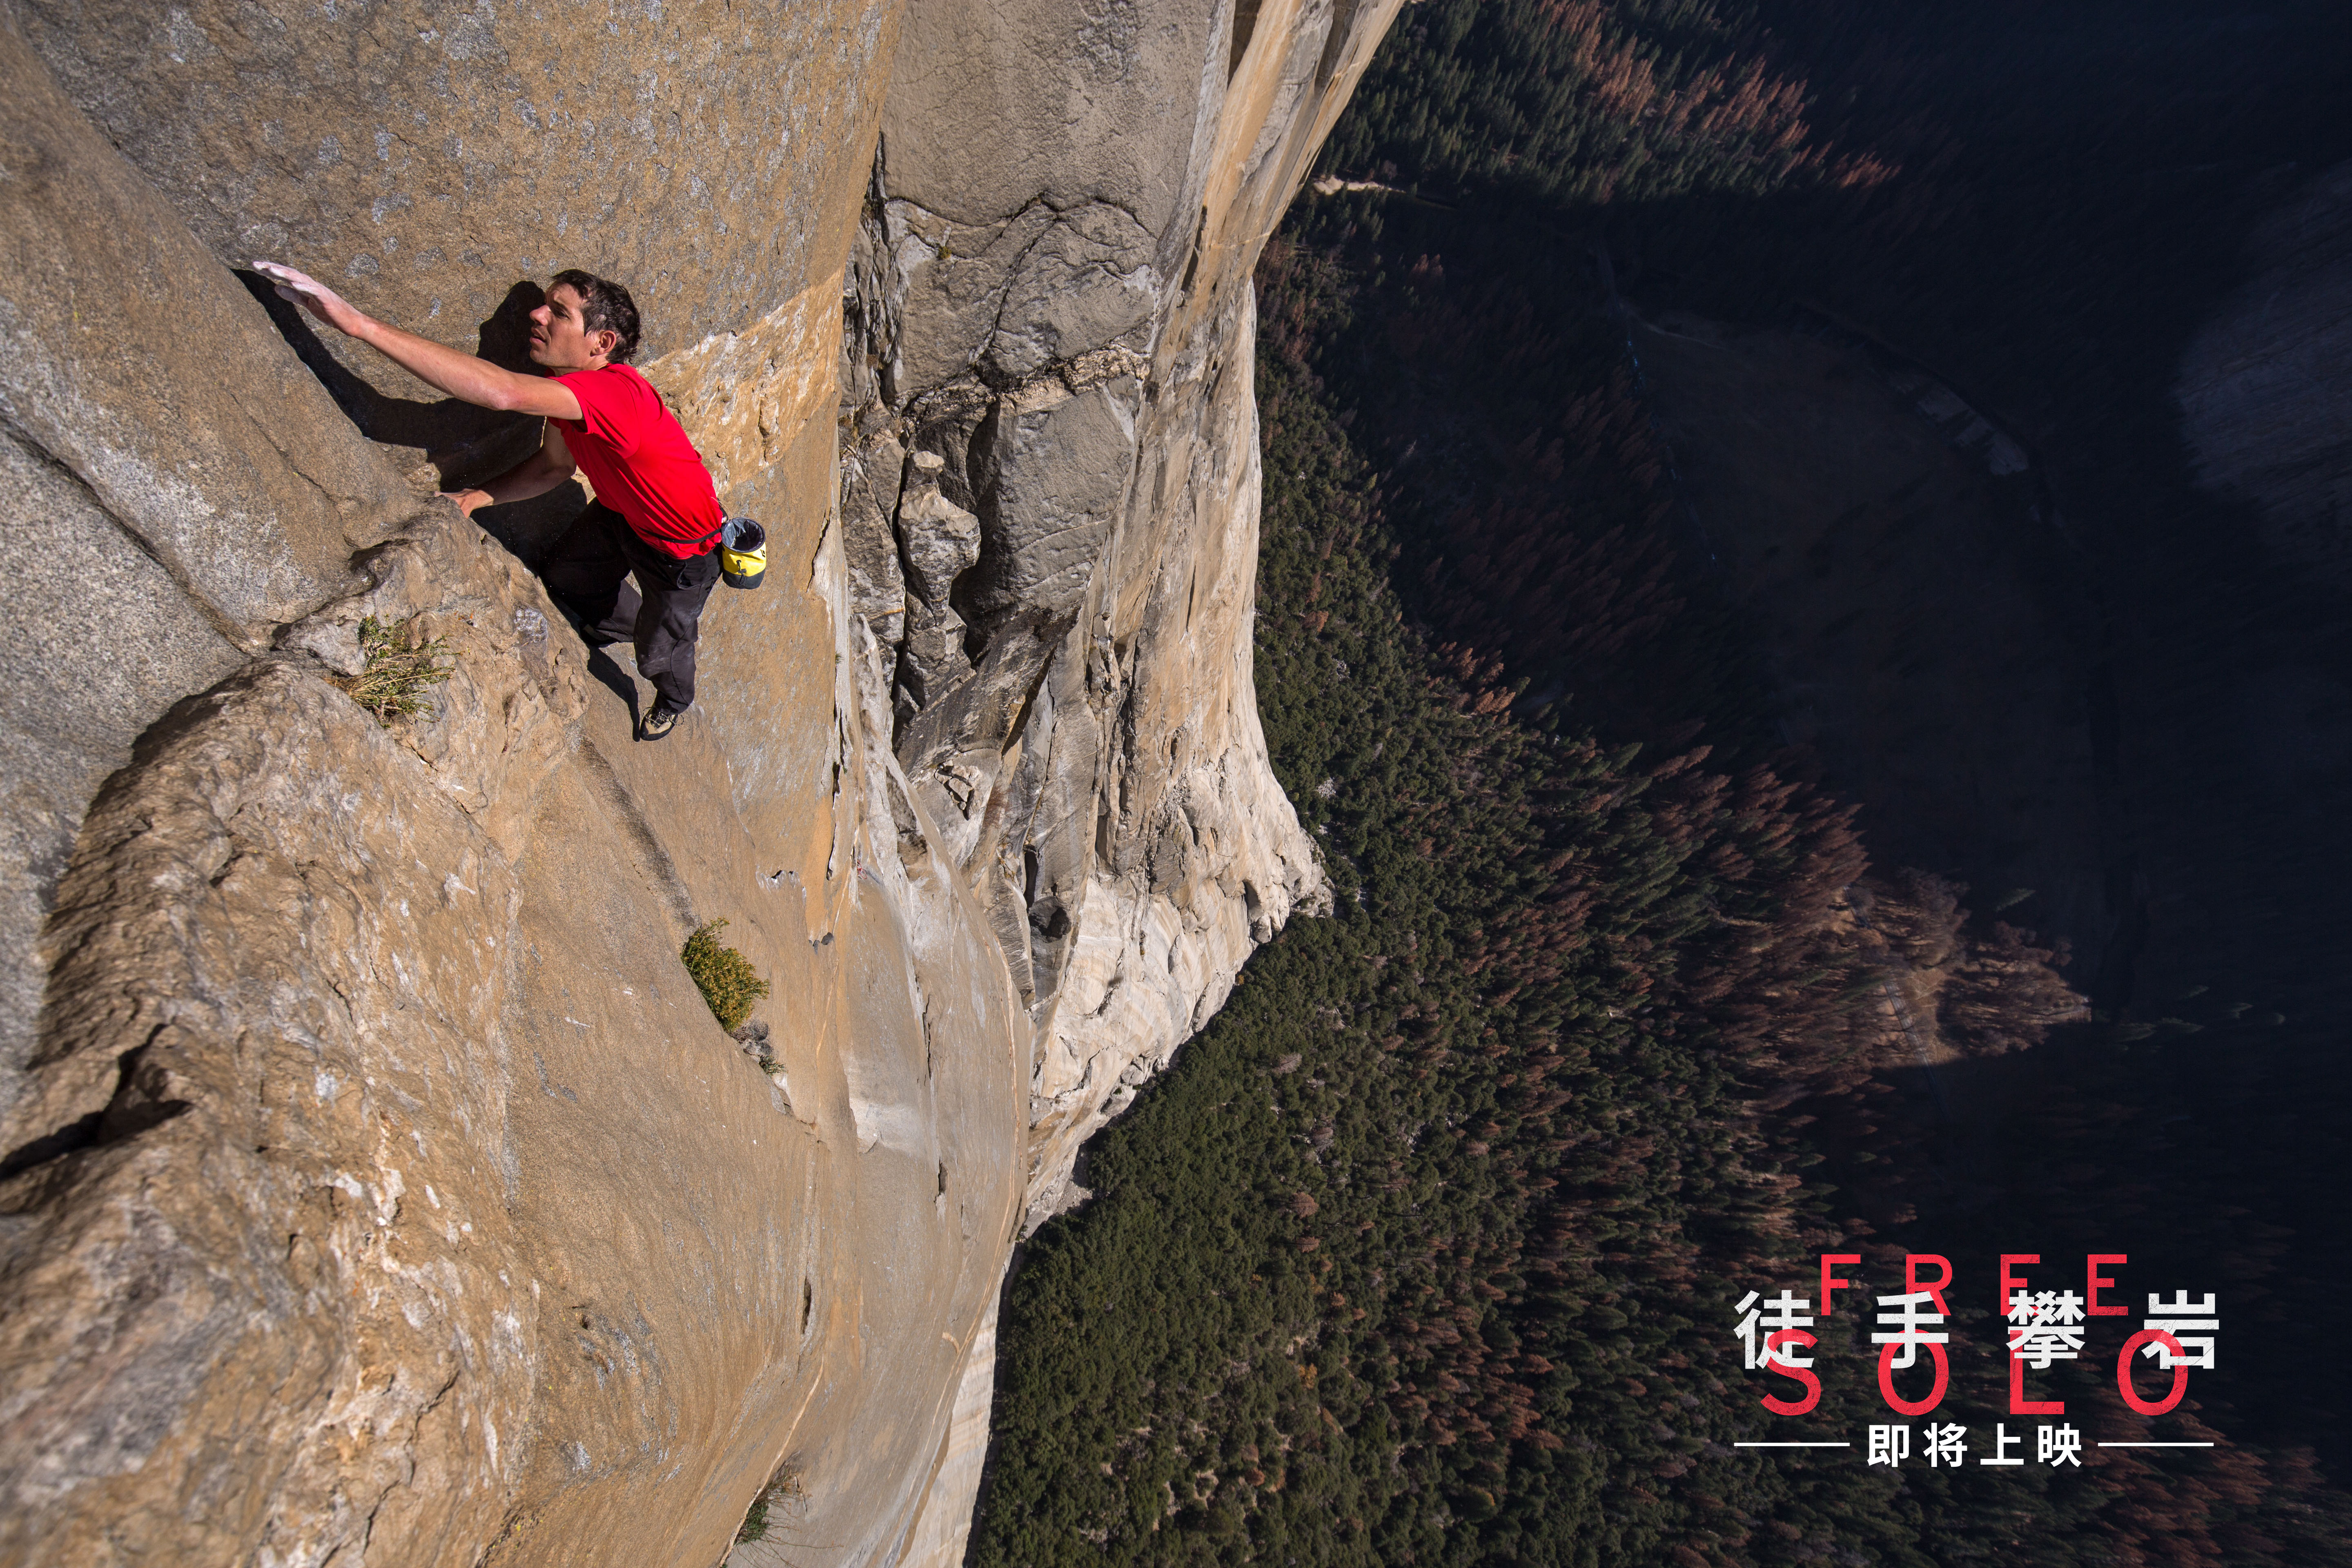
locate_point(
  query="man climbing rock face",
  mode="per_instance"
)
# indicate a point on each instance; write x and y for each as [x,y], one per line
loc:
[656,514]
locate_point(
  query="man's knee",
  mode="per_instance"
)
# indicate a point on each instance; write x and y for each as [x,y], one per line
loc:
[676,618]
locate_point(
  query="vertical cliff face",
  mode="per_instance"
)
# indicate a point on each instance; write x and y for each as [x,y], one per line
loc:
[1050,497]
[1049,508]
[377,1188]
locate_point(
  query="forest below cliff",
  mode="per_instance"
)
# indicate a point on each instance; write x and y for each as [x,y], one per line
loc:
[1426,1251]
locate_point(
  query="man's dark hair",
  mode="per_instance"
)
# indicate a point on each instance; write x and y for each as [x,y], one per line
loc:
[604,306]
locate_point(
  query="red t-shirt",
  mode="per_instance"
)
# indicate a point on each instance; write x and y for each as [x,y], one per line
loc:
[635,453]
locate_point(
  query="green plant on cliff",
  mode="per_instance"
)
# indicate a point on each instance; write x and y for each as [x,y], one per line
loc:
[398,670]
[784,1491]
[725,977]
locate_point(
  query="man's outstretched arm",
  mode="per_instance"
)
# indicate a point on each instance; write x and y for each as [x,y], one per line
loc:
[461,375]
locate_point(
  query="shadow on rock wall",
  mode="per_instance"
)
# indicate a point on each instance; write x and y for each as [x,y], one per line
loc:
[463,445]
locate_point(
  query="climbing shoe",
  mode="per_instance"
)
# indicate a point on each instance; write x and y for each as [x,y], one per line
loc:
[659,721]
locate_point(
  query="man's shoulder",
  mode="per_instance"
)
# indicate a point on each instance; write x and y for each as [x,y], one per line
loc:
[620,394]
[610,381]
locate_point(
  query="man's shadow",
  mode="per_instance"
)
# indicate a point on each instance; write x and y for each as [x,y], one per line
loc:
[614,678]
[466,444]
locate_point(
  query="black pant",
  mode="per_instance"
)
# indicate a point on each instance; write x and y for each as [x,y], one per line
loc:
[589,571]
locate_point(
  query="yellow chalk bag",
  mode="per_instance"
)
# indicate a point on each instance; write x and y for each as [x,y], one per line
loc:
[742,553]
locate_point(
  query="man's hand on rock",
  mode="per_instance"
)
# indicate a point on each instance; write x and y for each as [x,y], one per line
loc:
[466,501]
[314,297]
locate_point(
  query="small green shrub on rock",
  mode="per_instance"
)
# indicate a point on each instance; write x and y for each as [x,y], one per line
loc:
[784,1491]
[755,1523]
[727,981]
[393,684]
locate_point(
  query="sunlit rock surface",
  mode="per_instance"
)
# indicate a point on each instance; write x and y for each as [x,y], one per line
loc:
[378,1188]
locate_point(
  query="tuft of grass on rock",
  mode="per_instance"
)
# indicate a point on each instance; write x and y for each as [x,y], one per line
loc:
[783,1490]
[726,977]
[398,671]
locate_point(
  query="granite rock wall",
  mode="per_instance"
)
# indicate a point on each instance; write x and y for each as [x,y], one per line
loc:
[377,1187]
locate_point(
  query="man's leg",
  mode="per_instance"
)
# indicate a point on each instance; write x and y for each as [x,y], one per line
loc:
[671,619]
[587,571]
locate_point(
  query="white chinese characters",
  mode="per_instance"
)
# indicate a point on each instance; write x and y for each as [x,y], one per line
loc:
[1911,1321]
[1948,1445]
[2193,1323]
[2049,1327]
[1783,1312]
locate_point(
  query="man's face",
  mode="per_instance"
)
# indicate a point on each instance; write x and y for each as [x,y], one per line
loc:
[560,339]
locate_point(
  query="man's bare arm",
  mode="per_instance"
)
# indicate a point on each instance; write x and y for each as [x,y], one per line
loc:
[461,375]
[534,476]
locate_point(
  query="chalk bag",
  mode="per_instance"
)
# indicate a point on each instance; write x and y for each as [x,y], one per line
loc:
[742,553]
